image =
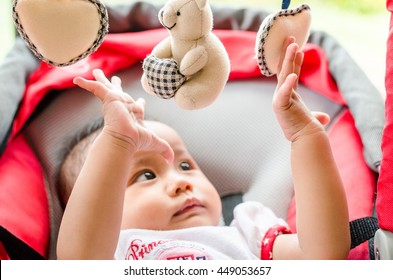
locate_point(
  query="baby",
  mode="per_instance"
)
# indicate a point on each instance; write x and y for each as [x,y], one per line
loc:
[140,194]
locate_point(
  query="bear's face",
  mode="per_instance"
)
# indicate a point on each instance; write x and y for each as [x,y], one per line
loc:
[187,19]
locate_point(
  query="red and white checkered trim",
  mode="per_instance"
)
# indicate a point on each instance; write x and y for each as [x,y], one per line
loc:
[269,238]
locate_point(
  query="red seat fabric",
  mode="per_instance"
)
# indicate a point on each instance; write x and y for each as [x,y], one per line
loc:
[385,182]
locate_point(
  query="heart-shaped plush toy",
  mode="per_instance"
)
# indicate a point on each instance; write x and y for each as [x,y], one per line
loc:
[273,32]
[163,76]
[61,32]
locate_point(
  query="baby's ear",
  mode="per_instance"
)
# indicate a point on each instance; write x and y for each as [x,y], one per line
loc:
[201,3]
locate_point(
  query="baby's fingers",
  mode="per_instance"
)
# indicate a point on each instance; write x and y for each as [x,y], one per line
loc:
[113,84]
[100,77]
[298,65]
[283,94]
[139,109]
[323,118]
[165,150]
[116,82]
[288,64]
[288,41]
[94,87]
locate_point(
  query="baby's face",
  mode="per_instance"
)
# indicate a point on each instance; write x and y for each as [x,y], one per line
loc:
[162,196]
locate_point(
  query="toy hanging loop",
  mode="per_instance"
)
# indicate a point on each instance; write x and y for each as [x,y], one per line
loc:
[285,4]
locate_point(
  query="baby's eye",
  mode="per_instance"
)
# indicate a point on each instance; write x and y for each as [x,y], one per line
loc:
[145,176]
[185,166]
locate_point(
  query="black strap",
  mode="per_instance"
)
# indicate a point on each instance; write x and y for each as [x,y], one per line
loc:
[17,249]
[362,229]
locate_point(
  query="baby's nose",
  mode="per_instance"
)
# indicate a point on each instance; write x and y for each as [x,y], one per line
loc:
[179,186]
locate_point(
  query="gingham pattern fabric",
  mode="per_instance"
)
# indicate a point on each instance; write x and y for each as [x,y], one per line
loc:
[263,33]
[102,32]
[163,76]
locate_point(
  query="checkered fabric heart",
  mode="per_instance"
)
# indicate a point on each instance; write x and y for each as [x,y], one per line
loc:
[163,76]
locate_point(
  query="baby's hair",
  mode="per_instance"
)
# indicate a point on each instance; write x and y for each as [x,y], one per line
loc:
[73,155]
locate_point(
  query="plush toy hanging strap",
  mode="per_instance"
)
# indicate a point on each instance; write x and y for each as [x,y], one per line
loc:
[275,29]
[285,4]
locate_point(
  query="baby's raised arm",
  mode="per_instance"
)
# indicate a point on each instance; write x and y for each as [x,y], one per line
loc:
[321,207]
[91,223]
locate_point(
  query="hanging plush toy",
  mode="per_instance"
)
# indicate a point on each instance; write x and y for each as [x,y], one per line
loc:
[61,32]
[275,29]
[191,64]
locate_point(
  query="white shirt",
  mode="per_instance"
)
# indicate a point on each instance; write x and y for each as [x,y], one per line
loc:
[242,240]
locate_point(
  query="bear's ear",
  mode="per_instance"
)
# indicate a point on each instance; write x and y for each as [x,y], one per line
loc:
[201,3]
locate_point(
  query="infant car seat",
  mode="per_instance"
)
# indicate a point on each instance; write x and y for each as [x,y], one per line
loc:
[236,140]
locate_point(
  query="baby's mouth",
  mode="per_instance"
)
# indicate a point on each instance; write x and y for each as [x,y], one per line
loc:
[189,205]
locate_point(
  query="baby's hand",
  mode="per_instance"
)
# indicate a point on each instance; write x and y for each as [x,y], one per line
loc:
[292,114]
[123,116]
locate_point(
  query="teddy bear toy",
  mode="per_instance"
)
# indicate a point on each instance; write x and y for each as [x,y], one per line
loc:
[191,65]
